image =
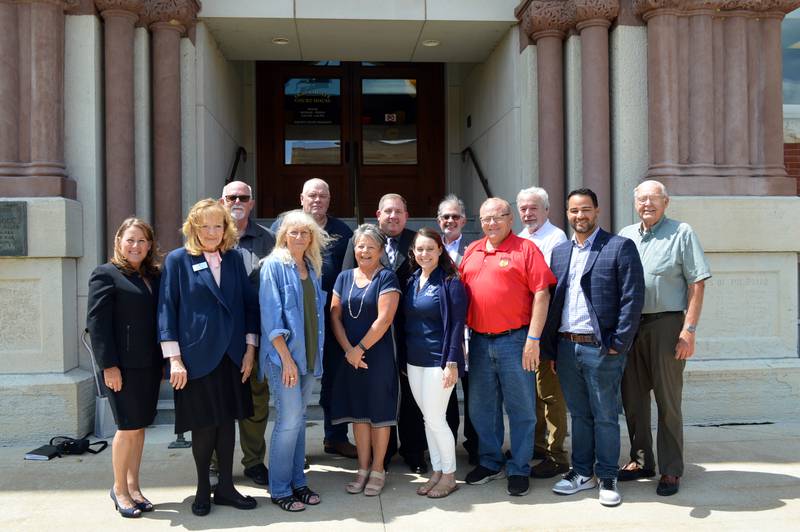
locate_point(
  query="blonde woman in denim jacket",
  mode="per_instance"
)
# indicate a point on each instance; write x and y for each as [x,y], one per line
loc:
[292,331]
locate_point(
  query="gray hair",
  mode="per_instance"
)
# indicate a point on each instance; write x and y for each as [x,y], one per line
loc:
[539,192]
[659,184]
[452,198]
[316,181]
[370,231]
[237,181]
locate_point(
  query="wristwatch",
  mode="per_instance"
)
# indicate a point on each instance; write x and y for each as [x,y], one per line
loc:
[692,329]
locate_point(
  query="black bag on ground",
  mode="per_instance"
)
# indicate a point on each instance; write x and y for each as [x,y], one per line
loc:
[67,445]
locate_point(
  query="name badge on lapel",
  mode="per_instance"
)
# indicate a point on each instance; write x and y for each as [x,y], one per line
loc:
[200,266]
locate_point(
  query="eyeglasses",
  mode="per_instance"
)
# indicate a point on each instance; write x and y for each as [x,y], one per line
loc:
[299,234]
[653,198]
[454,217]
[231,198]
[494,219]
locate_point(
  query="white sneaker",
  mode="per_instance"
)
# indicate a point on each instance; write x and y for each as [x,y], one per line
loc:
[573,483]
[609,495]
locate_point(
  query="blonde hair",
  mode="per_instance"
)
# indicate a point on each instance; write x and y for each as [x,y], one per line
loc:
[297,219]
[151,263]
[197,214]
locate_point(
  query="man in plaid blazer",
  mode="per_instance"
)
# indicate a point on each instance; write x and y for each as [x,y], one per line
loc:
[592,320]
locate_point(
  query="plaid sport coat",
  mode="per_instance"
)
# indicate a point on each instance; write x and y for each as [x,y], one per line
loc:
[613,284]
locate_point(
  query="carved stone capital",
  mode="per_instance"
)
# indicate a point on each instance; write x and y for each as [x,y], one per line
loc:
[545,18]
[783,6]
[63,4]
[592,10]
[643,7]
[175,12]
[132,6]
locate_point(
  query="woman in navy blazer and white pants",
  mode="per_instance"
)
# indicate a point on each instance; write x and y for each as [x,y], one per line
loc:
[208,326]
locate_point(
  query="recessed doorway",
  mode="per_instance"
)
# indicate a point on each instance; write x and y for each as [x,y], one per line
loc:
[365,128]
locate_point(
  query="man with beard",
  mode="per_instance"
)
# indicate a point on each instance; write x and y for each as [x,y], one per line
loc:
[315,199]
[255,242]
[533,205]
[591,322]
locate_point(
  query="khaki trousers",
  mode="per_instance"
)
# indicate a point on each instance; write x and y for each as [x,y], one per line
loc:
[551,416]
[652,366]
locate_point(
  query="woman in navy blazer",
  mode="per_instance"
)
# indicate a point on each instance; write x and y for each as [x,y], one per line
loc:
[208,326]
[121,320]
[434,310]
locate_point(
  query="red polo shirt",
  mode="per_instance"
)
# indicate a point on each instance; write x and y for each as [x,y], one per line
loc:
[501,283]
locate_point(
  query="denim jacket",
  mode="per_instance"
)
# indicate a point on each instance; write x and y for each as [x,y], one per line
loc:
[280,296]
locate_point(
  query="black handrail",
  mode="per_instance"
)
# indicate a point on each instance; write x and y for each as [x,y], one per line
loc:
[241,153]
[469,153]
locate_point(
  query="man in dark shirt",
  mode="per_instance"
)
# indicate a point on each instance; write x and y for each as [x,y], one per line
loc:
[315,200]
[255,242]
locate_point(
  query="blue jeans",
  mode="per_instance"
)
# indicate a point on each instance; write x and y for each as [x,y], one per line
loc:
[590,379]
[496,377]
[287,447]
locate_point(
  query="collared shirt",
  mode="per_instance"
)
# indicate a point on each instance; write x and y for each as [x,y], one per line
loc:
[452,248]
[254,244]
[501,283]
[424,323]
[672,258]
[575,314]
[546,238]
[391,251]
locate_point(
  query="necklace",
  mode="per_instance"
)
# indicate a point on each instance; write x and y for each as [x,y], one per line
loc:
[350,298]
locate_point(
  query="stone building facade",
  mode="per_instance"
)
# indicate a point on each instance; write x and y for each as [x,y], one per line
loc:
[115,107]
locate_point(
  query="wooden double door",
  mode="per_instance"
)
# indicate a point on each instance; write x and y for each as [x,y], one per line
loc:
[365,128]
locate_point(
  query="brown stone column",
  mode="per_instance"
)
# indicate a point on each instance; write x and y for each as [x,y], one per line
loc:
[730,100]
[594,19]
[547,22]
[39,166]
[9,83]
[168,22]
[119,17]
[701,88]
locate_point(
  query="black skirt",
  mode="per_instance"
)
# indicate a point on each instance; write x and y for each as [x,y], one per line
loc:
[134,406]
[214,399]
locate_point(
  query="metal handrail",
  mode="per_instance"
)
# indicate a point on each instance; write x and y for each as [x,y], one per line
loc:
[484,182]
[241,153]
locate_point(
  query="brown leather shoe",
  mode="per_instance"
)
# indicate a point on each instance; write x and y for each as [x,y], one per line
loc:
[633,471]
[668,485]
[342,448]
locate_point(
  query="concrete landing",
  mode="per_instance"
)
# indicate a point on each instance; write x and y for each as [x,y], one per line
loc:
[738,478]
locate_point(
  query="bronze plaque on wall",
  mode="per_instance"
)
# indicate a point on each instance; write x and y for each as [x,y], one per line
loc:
[13,229]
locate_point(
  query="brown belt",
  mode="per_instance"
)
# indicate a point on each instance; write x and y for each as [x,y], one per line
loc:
[579,338]
[496,335]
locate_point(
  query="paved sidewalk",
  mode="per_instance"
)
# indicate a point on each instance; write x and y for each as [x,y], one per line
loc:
[738,478]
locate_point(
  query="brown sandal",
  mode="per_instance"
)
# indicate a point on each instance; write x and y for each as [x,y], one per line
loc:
[428,486]
[375,485]
[440,491]
[357,486]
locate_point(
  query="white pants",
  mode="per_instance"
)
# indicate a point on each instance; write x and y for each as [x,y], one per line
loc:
[432,399]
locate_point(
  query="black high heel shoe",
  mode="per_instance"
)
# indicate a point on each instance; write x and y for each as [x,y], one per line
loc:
[124,512]
[145,505]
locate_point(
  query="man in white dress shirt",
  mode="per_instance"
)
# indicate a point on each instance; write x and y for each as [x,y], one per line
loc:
[533,205]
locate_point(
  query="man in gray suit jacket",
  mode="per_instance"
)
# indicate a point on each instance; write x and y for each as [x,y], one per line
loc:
[452,216]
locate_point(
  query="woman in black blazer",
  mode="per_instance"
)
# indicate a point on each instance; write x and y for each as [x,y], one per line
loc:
[123,297]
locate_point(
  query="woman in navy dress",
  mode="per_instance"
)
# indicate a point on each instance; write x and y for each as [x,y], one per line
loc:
[365,390]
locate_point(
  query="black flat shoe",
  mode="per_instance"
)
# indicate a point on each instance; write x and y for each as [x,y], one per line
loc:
[241,502]
[124,512]
[625,475]
[201,508]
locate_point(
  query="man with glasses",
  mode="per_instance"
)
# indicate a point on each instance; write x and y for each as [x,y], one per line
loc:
[675,273]
[255,242]
[533,205]
[508,283]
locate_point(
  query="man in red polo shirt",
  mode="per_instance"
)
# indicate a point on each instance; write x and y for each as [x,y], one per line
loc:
[508,283]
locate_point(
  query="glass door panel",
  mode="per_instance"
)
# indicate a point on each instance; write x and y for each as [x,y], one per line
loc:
[389,121]
[313,121]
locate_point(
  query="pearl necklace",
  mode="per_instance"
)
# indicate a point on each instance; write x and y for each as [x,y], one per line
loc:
[350,298]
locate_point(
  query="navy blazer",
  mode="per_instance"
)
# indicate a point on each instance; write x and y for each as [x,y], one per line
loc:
[205,319]
[453,307]
[613,283]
